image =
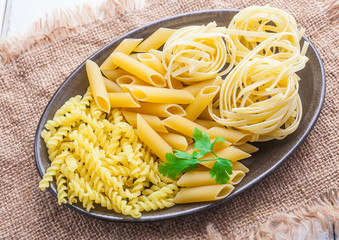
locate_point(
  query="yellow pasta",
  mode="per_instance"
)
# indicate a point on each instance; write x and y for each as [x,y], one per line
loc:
[182,125]
[203,178]
[114,74]
[128,79]
[152,139]
[126,47]
[196,88]
[197,53]
[202,99]
[232,153]
[153,121]
[205,115]
[233,136]
[176,141]
[122,100]
[159,109]
[239,166]
[151,61]
[246,147]
[138,69]
[203,193]
[98,86]
[159,95]
[207,123]
[155,40]
[112,86]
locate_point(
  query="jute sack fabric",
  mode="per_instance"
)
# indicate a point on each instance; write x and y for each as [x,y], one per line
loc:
[304,188]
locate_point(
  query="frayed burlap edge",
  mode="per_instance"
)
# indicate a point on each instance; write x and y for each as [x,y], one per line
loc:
[320,212]
[62,23]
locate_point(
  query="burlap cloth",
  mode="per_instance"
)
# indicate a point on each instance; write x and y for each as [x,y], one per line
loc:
[304,187]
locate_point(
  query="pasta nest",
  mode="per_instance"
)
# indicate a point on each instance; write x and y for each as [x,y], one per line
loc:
[250,27]
[197,53]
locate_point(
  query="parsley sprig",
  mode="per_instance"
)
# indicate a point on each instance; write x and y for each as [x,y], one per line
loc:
[181,162]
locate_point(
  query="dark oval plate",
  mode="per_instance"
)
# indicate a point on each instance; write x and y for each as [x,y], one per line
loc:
[261,164]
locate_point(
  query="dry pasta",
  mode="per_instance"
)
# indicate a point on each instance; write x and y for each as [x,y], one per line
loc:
[100,161]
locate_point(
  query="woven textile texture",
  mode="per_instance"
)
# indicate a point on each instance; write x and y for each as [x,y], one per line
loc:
[29,80]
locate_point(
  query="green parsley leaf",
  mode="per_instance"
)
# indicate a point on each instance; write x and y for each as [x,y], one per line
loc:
[174,166]
[181,162]
[183,155]
[220,170]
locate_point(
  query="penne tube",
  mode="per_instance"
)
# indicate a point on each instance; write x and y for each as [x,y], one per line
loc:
[97,84]
[234,136]
[128,79]
[152,139]
[122,100]
[196,88]
[232,153]
[138,69]
[112,86]
[151,61]
[182,125]
[126,47]
[239,166]
[205,115]
[176,141]
[220,145]
[155,40]
[203,178]
[196,179]
[207,123]
[159,109]
[114,74]
[203,194]
[249,148]
[236,177]
[159,95]
[153,121]
[202,99]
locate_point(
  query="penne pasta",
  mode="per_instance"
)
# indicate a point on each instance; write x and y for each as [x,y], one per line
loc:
[246,147]
[239,166]
[114,74]
[203,193]
[232,153]
[152,139]
[122,100]
[159,109]
[129,79]
[126,47]
[159,95]
[153,121]
[155,40]
[205,115]
[176,141]
[112,86]
[196,179]
[236,177]
[151,61]
[203,178]
[234,136]
[182,125]
[138,69]
[97,84]
[196,88]
[202,99]
[207,123]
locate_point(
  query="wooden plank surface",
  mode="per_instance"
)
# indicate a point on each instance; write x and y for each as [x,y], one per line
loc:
[16,16]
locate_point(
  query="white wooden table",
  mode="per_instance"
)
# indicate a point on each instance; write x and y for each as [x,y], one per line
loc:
[16,16]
